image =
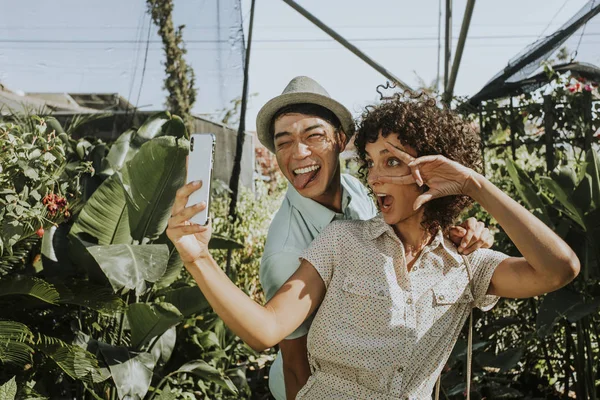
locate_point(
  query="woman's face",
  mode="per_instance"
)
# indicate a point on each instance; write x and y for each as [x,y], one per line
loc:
[395,201]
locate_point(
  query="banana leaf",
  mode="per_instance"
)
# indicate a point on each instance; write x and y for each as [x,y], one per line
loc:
[131,372]
[104,216]
[188,300]
[153,126]
[128,144]
[163,348]
[174,266]
[207,372]
[565,200]
[155,174]
[121,150]
[593,171]
[149,320]
[554,306]
[129,267]
[528,192]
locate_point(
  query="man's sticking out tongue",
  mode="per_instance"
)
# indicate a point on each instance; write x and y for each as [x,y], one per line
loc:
[302,176]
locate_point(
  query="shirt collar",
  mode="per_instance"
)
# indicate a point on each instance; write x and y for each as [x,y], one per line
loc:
[377,227]
[317,214]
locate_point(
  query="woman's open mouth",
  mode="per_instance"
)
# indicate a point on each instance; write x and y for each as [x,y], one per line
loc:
[384,201]
[305,175]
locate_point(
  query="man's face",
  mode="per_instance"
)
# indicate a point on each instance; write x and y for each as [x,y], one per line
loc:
[307,150]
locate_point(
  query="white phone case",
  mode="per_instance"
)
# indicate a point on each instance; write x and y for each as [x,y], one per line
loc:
[199,168]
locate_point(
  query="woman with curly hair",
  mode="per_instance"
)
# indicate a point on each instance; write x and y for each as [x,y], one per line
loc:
[392,293]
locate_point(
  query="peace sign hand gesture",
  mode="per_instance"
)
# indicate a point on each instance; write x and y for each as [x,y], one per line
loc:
[443,176]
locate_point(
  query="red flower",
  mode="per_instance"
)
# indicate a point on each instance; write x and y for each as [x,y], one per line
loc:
[572,89]
[54,203]
[581,79]
[40,232]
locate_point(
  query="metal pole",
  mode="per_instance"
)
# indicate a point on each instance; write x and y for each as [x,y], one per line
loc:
[464,30]
[549,131]
[347,44]
[482,136]
[513,131]
[588,134]
[448,42]
[241,135]
[439,48]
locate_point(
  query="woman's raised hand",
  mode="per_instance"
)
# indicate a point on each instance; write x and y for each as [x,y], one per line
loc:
[444,177]
[190,240]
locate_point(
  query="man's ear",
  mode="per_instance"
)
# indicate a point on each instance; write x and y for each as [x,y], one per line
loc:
[342,140]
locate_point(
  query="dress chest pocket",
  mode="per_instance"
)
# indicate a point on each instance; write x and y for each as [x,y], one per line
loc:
[451,298]
[369,303]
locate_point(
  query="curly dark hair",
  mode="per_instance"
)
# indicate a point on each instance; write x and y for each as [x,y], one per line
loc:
[420,123]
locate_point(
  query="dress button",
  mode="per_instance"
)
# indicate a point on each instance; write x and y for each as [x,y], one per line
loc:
[441,297]
[401,369]
[409,301]
[350,285]
[381,293]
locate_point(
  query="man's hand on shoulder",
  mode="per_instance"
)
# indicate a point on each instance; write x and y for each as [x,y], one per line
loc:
[470,236]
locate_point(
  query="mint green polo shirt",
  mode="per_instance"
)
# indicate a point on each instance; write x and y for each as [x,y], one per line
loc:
[295,225]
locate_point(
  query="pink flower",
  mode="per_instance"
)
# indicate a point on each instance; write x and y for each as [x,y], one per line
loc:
[587,88]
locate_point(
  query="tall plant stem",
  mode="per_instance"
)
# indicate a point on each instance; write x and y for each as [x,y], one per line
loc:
[581,382]
[568,340]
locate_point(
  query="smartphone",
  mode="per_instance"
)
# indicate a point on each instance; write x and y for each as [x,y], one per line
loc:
[199,168]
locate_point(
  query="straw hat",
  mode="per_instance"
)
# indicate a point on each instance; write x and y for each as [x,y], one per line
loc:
[301,89]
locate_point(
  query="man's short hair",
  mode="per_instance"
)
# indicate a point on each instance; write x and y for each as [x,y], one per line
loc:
[313,110]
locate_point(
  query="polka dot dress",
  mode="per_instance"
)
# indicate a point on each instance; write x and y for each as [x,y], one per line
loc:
[382,332]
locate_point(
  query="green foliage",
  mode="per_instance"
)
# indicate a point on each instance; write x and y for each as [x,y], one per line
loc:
[102,309]
[544,347]
[8,391]
[180,80]
[40,179]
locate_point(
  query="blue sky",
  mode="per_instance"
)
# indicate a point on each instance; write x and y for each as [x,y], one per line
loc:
[400,35]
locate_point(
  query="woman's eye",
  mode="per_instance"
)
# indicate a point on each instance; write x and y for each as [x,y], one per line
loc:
[369,164]
[315,135]
[393,162]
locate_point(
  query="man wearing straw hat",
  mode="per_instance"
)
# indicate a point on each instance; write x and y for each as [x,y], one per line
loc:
[307,130]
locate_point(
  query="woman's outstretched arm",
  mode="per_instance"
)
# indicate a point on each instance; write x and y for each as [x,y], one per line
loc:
[548,263]
[259,326]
